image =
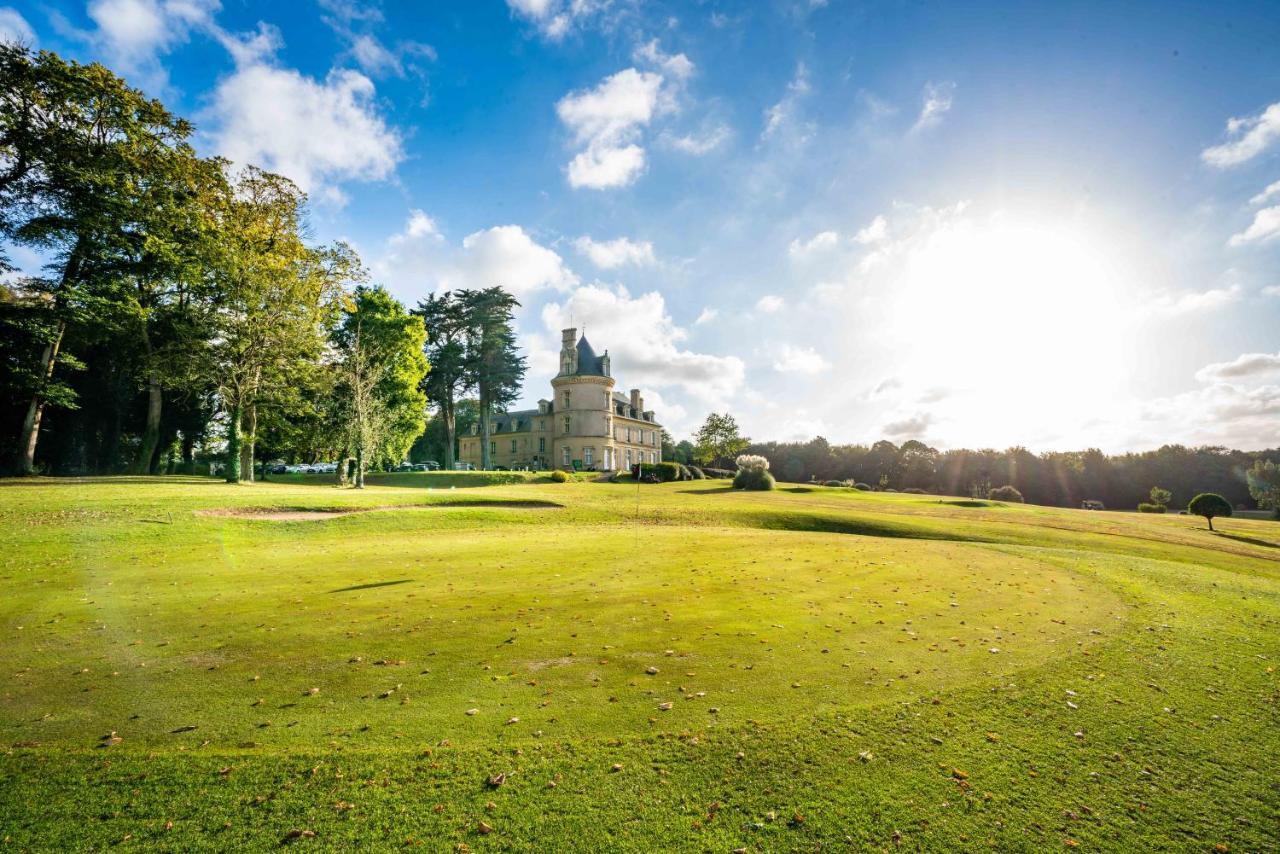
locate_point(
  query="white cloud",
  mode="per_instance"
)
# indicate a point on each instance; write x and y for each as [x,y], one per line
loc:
[1265,227]
[1246,138]
[418,260]
[874,232]
[936,102]
[607,120]
[1246,365]
[1271,291]
[677,66]
[707,315]
[820,242]
[697,144]
[1193,302]
[782,118]
[1271,192]
[133,34]
[910,427]
[318,133]
[556,18]
[643,343]
[769,303]
[799,360]
[421,225]
[14,28]
[609,254]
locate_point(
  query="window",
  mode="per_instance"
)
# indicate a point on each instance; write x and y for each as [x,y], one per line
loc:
[587,456]
[628,458]
[564,454]
[566,400]
[513,446]
[542,444]
[566,425]
[493,447]
[608,458]
[628,434]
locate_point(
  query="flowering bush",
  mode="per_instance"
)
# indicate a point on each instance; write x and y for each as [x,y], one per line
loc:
[560,476]
[752,461]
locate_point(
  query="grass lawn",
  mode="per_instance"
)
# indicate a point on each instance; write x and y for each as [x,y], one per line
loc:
[589,666]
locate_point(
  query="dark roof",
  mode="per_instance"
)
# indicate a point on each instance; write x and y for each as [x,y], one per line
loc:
[589,364]
[517,421]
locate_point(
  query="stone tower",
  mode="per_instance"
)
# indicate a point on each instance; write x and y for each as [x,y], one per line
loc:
[583,405]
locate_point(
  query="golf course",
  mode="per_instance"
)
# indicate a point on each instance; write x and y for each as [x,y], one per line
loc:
[435,661]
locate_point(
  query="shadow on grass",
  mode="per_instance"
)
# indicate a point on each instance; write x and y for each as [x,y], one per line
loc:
[822,524]
[971,503]
[371,585]
[1253,541]
[78,480]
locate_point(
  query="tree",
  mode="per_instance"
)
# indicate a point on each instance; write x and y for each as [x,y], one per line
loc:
[381,368]
[1161,497]
[718,439]
[1209,505]
[1264,485]
[78,151]
[445,319]
[275,295]
[493,361]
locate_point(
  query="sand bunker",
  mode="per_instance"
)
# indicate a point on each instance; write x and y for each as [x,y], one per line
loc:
[302,514]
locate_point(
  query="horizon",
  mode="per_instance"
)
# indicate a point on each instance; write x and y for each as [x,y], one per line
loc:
[1055,230]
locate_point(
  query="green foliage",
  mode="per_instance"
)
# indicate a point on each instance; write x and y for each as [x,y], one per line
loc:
[1146,507]
[696,473]
[1264,485]
[753,479]
[1209,505]
[718,440]
[915,490]
[834,483]
[560,476]
[862,487]
[666,471]
[1004,493]
[1160,496]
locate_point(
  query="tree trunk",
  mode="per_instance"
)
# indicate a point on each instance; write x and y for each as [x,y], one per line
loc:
[151,434]
[49,360]
[340,473]
[486,463]
[359,467]
[446,415]
[233,445]
[1210,521]
[247,444]
[188,454]
[31,423]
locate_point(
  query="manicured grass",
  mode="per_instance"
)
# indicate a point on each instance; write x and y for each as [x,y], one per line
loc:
[829,667]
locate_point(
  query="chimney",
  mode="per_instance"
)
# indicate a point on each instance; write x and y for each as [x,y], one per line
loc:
[568,338]
[637,402]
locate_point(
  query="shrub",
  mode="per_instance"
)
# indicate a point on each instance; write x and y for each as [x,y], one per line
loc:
[721,474]
[753,478]
[560,476]
[1208,505]
[1146,507]
[665,471]
[862,487]
[695,473]
[833,483]
[1005,493]
[914,490]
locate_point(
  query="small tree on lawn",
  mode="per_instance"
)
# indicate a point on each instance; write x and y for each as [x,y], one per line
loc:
[1161,497]
[1208,505]
[718,439]
[1264,485]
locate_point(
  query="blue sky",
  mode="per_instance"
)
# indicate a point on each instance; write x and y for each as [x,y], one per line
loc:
[1055,225]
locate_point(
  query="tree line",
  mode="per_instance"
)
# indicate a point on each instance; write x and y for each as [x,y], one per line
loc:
[1062,478]
[182,306]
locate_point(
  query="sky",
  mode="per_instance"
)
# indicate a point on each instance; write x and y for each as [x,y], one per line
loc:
[977,225]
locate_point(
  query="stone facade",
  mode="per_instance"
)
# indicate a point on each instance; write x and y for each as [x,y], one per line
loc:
[586,425]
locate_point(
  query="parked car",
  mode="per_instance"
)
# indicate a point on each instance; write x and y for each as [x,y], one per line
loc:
[405,467]
[277,468]
[464,467]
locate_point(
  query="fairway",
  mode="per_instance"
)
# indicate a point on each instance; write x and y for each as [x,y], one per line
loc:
[196,666]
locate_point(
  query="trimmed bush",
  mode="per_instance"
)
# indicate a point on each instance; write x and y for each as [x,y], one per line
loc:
[914,490]
[560,476]
[665,471]
[1208,505]
[1005,493]
[720,474]
[756,479]
[1146,507]
[833,483]
[862,487]
[695,473]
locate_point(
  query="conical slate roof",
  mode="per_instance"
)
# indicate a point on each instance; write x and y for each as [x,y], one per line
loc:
[589,363]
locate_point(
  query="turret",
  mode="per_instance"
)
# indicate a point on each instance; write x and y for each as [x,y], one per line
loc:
[637,402]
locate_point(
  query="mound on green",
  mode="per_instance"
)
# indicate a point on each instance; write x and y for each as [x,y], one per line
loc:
[594,666]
